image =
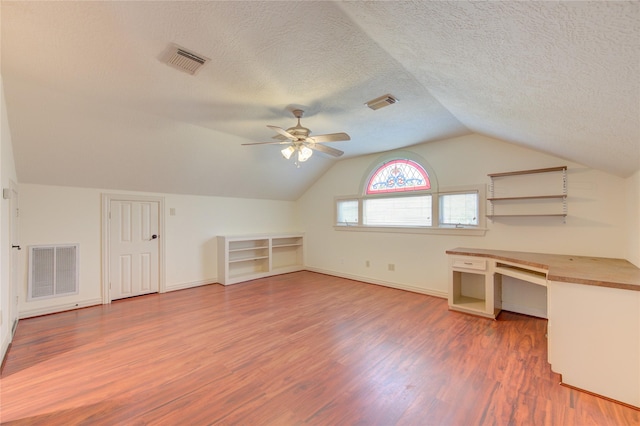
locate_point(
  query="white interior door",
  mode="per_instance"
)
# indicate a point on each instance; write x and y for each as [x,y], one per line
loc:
[133,248]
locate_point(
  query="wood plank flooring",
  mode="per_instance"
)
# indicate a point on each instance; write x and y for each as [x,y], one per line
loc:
[295,349]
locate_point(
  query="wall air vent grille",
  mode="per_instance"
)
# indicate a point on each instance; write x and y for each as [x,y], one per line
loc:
[53,271]
[183,59]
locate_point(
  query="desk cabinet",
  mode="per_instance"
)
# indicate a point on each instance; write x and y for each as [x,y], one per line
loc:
[594,339]
[475,283]
[473,288]
[593,308]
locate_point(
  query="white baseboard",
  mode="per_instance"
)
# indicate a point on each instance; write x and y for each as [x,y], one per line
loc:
[399,286]
[86,303]
[5,345]
[182,286]
[58,308]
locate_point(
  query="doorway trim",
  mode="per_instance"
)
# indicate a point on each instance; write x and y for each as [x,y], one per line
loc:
[15,277]
[106,204]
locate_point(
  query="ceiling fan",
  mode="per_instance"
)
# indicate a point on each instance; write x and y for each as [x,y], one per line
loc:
[300,142]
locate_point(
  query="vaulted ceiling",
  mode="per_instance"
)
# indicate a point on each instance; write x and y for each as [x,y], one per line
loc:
[91,104]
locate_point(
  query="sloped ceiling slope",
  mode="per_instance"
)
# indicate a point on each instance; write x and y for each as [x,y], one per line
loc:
[90,103]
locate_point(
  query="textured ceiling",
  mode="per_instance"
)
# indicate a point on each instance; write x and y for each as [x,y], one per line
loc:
[90,104]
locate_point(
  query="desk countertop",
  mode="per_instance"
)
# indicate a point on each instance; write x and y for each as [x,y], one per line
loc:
[598,271]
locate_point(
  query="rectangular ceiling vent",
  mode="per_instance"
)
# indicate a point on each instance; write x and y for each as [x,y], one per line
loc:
[183,59]
[381,102]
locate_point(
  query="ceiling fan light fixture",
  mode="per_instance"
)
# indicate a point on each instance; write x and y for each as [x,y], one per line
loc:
[299,140]
[288,152]
[304,153]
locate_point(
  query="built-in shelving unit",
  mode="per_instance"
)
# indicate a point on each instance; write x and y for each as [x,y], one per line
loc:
[528,193]
[249,257]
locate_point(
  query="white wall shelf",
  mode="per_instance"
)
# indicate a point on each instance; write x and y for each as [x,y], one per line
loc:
[249,257]
[528,215]
[528,193]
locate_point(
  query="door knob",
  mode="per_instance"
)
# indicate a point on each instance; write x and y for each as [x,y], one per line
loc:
[154,236]
[18,247]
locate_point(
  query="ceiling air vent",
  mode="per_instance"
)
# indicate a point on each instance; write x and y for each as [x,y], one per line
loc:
[183,59]
[381,102]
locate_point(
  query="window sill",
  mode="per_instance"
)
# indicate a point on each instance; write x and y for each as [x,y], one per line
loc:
[475,231]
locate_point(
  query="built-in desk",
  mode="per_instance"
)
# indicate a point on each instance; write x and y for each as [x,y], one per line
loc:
[593,309]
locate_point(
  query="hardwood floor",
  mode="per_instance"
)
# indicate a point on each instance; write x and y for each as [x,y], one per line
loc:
[301,348]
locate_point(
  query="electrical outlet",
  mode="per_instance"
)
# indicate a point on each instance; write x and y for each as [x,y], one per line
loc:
[392,267]
[367,263]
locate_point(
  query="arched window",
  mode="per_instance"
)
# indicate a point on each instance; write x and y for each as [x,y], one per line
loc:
[398,175]
[400,190]
[397,192]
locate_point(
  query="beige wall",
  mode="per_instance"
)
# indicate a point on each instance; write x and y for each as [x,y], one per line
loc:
[633,213]
[61,215]
[596,224]
[8,175]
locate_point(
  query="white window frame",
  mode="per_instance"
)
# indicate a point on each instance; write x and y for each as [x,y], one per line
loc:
[435,228]
[459,225]
[434,191]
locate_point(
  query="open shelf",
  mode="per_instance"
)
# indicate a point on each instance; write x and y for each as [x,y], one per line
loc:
[528,193]
[286,253]
[471,288]
[247,270]
[528,215]
[234,250]
[248,257]
[471,303]
[532,197]
[243,244]
[529,172]
[286,242]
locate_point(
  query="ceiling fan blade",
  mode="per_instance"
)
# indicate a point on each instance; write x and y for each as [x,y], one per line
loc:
[331,137]
[327,150]
[267,143]
[283,132]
